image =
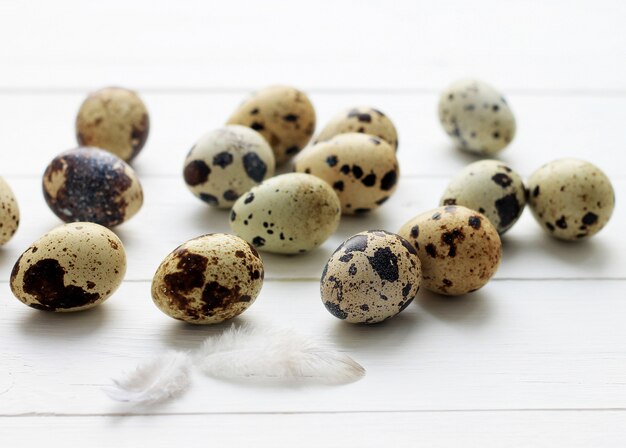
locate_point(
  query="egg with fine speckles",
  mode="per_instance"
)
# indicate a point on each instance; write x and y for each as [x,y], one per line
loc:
[490,187]
[284,116]
[476,117]
[459,248]
[362,169]
[208,279]
[287,214]
[227,162]
[89,184]
[372,276]
[9,212]
[571,199]
[71,268]
[114,119]
[361,119]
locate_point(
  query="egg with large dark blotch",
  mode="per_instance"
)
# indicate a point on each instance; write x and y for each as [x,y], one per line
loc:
[92,185]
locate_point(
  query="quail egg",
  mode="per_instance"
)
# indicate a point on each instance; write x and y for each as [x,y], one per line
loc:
[9,212]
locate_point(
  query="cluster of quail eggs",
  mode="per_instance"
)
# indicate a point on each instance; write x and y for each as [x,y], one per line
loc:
[349,167]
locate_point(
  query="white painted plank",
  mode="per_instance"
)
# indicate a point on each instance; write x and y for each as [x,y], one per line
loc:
[532,44]
[513,345]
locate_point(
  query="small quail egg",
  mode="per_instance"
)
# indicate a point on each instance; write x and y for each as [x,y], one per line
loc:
[71,268]
[284,116]
[9,212]
[89,184]
[372,276]
[362,119]
[227,162]
[477,117]
[459,248]
[490,187]
[287,214]
[571,199]
[362,169]
[208,279]
[114,119]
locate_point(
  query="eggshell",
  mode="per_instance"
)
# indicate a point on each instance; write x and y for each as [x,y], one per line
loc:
[114,119]
[227,162]
[459,248]
[361,119]
[476,117]
[363,170]
[71,268]
[571,199]
[372,276]
[9,212]
[490,187]
[284,116]
[89,184]
[287,214]
[208,279]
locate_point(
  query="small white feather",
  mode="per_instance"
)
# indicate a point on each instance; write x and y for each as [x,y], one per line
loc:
[257,353]
[153,381]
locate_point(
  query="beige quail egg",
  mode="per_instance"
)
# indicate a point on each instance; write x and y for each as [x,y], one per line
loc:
[459,248]
[477,117]
[362,119]
[9,212]
[71,268]
[227,162]
[490,187]
[284,116]
[114,119]
[362,169]
[287,214]
[571,199]
[89,184]
[372,276]
[208,279]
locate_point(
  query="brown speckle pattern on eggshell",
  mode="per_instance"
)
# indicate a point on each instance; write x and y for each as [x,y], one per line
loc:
[9,212]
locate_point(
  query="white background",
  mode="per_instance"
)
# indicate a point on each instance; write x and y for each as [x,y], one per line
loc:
[536,358]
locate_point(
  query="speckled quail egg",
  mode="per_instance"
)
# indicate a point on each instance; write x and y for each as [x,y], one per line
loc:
[284,116]
[9,213]
[287,214]
[490,187]
[459,248]
[71,268]
[89,184]
[227,162]
[571,199]
[362,169]
[477,117]
[208,279]
[114,119]
[362,119]
[371,277]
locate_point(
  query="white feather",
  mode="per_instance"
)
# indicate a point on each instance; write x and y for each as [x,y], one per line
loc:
[256,353]
[155,380]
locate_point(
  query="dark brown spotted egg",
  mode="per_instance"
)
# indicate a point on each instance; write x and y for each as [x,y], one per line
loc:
[476,117]
[362,119]
[284,116]
[459,248]
[227,162]
[9,212]
[287,214]
[571,199]
[372,276]
[362,169]
[71,268]
[114,119]
[490,187]
[89,184]
[208,279]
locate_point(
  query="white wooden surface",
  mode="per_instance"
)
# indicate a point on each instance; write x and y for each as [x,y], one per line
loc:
[537,358]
